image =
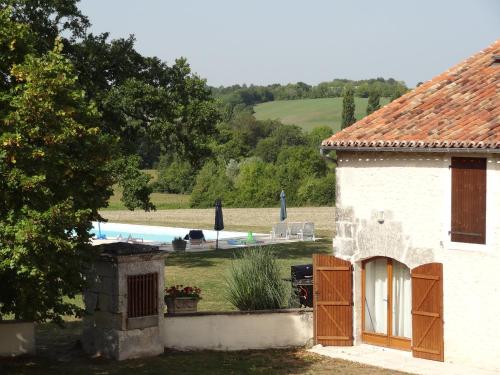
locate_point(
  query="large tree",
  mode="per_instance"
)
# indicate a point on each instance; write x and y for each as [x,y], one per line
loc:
[54,164]
[70,119]
[348,108]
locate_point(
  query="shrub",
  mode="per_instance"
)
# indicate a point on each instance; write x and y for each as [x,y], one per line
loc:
[256,185]
[318,191]
[211,183]
[294,166]
[255,282]
[177,177]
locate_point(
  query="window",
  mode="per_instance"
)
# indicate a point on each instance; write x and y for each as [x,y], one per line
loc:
[468,200]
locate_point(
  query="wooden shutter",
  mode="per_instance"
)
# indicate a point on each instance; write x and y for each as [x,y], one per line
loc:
[427,311]
[468,200]
[332,301]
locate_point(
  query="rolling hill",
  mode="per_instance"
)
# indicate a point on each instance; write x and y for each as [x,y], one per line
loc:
[310,113]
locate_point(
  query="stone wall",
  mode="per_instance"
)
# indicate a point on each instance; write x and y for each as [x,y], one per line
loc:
[398,205]
[107,329]
[239,330]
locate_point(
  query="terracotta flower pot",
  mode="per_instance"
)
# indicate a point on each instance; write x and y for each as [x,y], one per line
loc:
[181,304]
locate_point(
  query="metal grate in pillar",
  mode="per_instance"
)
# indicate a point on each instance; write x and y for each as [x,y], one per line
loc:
[142,293]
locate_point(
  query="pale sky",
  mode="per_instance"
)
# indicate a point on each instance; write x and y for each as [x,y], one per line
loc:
[282,41]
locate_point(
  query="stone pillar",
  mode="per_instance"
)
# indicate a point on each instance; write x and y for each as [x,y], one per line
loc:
[124,302]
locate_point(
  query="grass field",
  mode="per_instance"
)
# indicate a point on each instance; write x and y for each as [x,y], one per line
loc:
[310,113]
[162,201]
[240,219]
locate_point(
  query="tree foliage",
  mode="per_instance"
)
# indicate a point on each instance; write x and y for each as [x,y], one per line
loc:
[373,102]
[348,108]
[243,97]
[75,120]
[54,168]
[175,176]
[284,159]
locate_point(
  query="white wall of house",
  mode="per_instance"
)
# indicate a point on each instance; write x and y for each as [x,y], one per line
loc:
[414,193]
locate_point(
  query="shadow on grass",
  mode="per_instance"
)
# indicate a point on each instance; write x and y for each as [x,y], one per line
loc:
[59,352]
[272,361]
[288,251]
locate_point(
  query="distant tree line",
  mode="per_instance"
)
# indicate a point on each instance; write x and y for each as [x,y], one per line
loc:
[247,96]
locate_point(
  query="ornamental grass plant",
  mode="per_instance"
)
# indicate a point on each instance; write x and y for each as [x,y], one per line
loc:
[255,281]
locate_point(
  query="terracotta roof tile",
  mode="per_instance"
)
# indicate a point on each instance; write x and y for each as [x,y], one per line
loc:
[459,108]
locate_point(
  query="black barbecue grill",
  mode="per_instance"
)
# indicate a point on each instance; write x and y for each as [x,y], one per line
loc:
[302,283]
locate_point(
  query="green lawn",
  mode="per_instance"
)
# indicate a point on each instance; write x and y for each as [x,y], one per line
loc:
[59,352]
[310,113]
[208,270]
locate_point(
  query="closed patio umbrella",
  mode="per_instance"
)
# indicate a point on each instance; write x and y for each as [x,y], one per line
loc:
[219,220]
[283,206]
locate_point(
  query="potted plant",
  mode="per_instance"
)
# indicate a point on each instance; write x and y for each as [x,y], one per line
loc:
[178,244]
[182,299]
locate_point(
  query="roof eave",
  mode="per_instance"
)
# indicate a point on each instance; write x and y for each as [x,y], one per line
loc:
[414,149]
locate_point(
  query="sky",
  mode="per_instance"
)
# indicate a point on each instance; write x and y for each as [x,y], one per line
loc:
[280,41]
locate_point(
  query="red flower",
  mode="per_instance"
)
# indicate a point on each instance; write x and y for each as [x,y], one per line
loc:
[183,291]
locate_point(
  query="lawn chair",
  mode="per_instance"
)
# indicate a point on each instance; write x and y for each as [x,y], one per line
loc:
[131,239]
[195,238]
[280,231]
[295,229]
[307,232]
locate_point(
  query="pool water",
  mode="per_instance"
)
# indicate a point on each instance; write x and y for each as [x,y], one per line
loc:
[153,233]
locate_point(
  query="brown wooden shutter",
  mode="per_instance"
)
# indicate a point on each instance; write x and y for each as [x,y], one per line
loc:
[332,301]
[468,200]
[427,312]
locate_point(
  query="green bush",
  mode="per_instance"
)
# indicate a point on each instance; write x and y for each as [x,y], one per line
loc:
[256,185]
[295,166]
[282,136]
[255,282]
[211,183]
[176,177]
[318,191]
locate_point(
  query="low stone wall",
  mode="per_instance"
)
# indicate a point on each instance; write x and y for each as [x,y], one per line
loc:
[239,330]
[16,338]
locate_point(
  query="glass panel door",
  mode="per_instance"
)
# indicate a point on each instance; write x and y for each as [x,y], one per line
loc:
[401,300]
[386,303]
[376,296]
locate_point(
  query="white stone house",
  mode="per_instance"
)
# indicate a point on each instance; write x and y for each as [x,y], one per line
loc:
[418,216]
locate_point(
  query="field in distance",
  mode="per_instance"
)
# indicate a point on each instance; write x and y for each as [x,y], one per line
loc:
[162,201]
[310,113]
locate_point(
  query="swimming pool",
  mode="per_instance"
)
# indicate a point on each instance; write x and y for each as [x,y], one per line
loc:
[153,233]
